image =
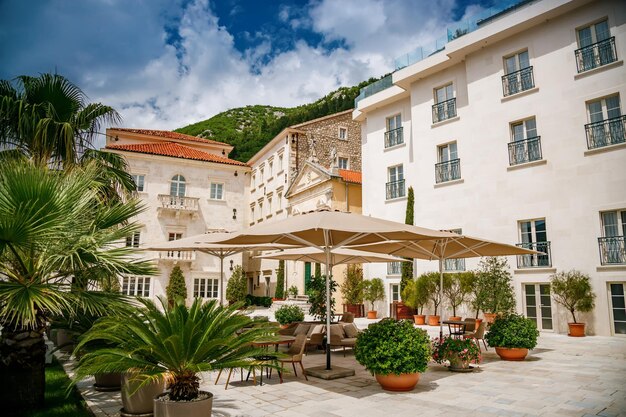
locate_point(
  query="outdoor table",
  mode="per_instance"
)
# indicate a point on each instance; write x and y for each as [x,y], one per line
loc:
[262,362]
[275,341]
[456,327]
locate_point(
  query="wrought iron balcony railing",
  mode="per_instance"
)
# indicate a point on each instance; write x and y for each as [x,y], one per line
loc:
[395,189]
[596,55]
[394,137]
[518,81]
[527,150]
[444,110]
[612,250]
[606,132]
[454,265]
[543,260]
[174,202]
[394,268]
[448,171]
[178,255]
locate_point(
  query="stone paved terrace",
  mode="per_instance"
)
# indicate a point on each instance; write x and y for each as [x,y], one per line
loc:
[563,376]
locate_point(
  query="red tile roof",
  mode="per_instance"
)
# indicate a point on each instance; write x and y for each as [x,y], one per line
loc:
[175,150]
[350,176]
[170,135]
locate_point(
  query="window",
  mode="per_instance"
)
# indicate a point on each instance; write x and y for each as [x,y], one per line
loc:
[518,74]
[618,307]
[539,305]
[252,213]
[394,290]
[534,236]
[133,240]
[139,181]
[449,166]
[177,186]
[596,46]
[269,206]
[343,133]
[217,191]
[270,168]
[253,180]
[394,268]
[607,125]
[612,247]
[525,145]
[393,135]
[280,162]
[260,211]
[343,163]
[174,236]
[136,286]
[261,171]
[205,288]
[395,184]
[445,103]
[279,201]
[454,264]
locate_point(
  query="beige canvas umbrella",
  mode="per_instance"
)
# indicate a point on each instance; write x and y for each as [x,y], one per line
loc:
[329,231]
[337,257]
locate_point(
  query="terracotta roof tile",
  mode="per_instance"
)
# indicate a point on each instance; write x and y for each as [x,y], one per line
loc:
[175,150]
[170,135]
[350,176]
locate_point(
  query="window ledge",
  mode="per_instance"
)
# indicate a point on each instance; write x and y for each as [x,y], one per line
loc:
[281,172]
[216,200]
[608,268]
[535,271]
[520,94]
[445,122]
[598,69]
[279,211]
[261,185]
[269,216]
[603,149]
[527,165]
[252,190]
[252,224]
[453,182]
[393,200]
[259,221]
[270,179]
[400,145]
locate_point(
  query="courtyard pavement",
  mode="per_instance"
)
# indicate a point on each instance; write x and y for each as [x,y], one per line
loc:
[563,376]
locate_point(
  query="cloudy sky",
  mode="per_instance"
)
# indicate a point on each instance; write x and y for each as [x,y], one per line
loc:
[167,63]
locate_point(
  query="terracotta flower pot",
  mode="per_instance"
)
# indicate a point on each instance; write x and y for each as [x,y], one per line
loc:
[512,354]
[419,319]
[576,329]
[455,318]
[402,382]
[490,317]
[200,408]
[142,400]
[433,320]
[372,314]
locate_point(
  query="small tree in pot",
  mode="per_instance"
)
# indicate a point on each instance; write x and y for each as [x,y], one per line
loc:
[176,288]
[512,335]
[457,288]
[431,283]
[317,297]
[573,291]
[237,287]
[352,289]
[374,290]
[494,290]
[416,297]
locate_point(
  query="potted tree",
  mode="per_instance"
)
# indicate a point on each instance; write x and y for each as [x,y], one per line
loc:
[352,290]
[430,282]
[279,294]
[512,335]
[288,314]
[494,290]
[176,287]
[237,287]
[573,291]
[394,352]
[458,352]
[157,343]
[416,297]
[374,290]
[317,297]
[457,288]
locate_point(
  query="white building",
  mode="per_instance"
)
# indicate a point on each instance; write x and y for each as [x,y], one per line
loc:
[513,132]
[189,186]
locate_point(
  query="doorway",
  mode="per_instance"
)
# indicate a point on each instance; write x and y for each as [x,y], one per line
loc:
[539,305]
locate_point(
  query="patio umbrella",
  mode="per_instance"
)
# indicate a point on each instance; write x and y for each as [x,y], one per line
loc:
[339,256]
[329,231]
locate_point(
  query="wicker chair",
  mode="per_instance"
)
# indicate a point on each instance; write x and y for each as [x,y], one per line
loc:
[478,335]
[295,353]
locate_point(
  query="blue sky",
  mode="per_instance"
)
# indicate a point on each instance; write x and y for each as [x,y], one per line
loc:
[166,63]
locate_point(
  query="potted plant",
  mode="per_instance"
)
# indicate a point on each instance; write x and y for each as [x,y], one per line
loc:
[352,290]
[317,297]
[512,335]
[279,294]
[176,287]
[156,343]
[457,288]
[237,287]
[288,314]
[374,290]
[430,282]
[394,352]
[494,290]
[573,291]
[292,292]
[458,352]
[416,297]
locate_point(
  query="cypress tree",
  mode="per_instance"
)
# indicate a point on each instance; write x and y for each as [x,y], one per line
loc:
[407,267]
[280,280]
[176,287]
[318,269]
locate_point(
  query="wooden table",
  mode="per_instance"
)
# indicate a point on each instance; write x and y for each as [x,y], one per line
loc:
[275,341]
[456,327]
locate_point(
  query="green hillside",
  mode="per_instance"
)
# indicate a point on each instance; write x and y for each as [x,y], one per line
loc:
[249,128]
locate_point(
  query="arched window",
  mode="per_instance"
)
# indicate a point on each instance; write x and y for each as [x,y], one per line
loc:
[177,186]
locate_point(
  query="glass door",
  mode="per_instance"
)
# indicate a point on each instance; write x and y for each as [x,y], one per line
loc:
[618,307]
[539,305]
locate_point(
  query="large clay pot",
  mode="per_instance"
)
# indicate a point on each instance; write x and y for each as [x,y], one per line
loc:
[200,408]
[109,381]
[512,354]
[433,320]
[402,382]
[455,318]
[420,319]
[490,317]
[142,400]
[576,329]
[403,311]
[356,309]
[372,314]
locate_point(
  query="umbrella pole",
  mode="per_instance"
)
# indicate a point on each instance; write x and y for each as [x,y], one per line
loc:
[221,278]
[328,272]
[440,298]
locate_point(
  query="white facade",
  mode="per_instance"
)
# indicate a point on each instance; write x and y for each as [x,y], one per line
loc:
[510,196]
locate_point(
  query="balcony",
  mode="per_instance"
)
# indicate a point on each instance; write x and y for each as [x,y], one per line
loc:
[172,202]
[535,261]
[518,81]
[527,150]
[375,87]
[612,250]
[444,110]
[395,189]
[448,171]
[178,255]
[394,137]
[606,132]
[596,55]
[454,265]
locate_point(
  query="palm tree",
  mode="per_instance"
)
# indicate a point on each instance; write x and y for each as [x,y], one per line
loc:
[53,227]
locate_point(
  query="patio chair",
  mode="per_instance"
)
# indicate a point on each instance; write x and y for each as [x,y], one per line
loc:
[347,317]
[343,336]
[478,335]
[295,355]
[470,324]
[315,337]
[290,329]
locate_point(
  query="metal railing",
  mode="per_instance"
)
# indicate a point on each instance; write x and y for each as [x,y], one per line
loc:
[518,81]
[394,268]
[596,55]
[395,189]
[448,171]
[527,150]
[606,132]
[543,260]
[174,202]
[454,265]
[612,250]
[394,137]
[374,88]
[444,110]
[178,255]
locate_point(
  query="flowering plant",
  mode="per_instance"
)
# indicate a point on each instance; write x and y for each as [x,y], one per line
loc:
[447,348]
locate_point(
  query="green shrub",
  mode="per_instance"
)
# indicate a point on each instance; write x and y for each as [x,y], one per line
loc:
[289,314]
[352,287]
[237,287]
[572,290]
[493,292]
[415,296]
[317,297]
[393,347]
[280,280]
[292,291]
[513,331]
[374,290]
[253,300]
[407,267]
[457,288]
[430,283]
[176,288]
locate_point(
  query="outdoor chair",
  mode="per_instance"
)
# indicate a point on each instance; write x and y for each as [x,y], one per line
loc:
[295,355]
[347,317]
[315,336]
[290,329]
[478,335]
[470,324]
[343,335]
[230,372]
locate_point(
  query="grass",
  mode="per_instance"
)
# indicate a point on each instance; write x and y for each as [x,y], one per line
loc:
[58,403]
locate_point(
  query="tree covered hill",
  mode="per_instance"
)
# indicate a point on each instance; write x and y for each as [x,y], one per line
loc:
[249,128]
